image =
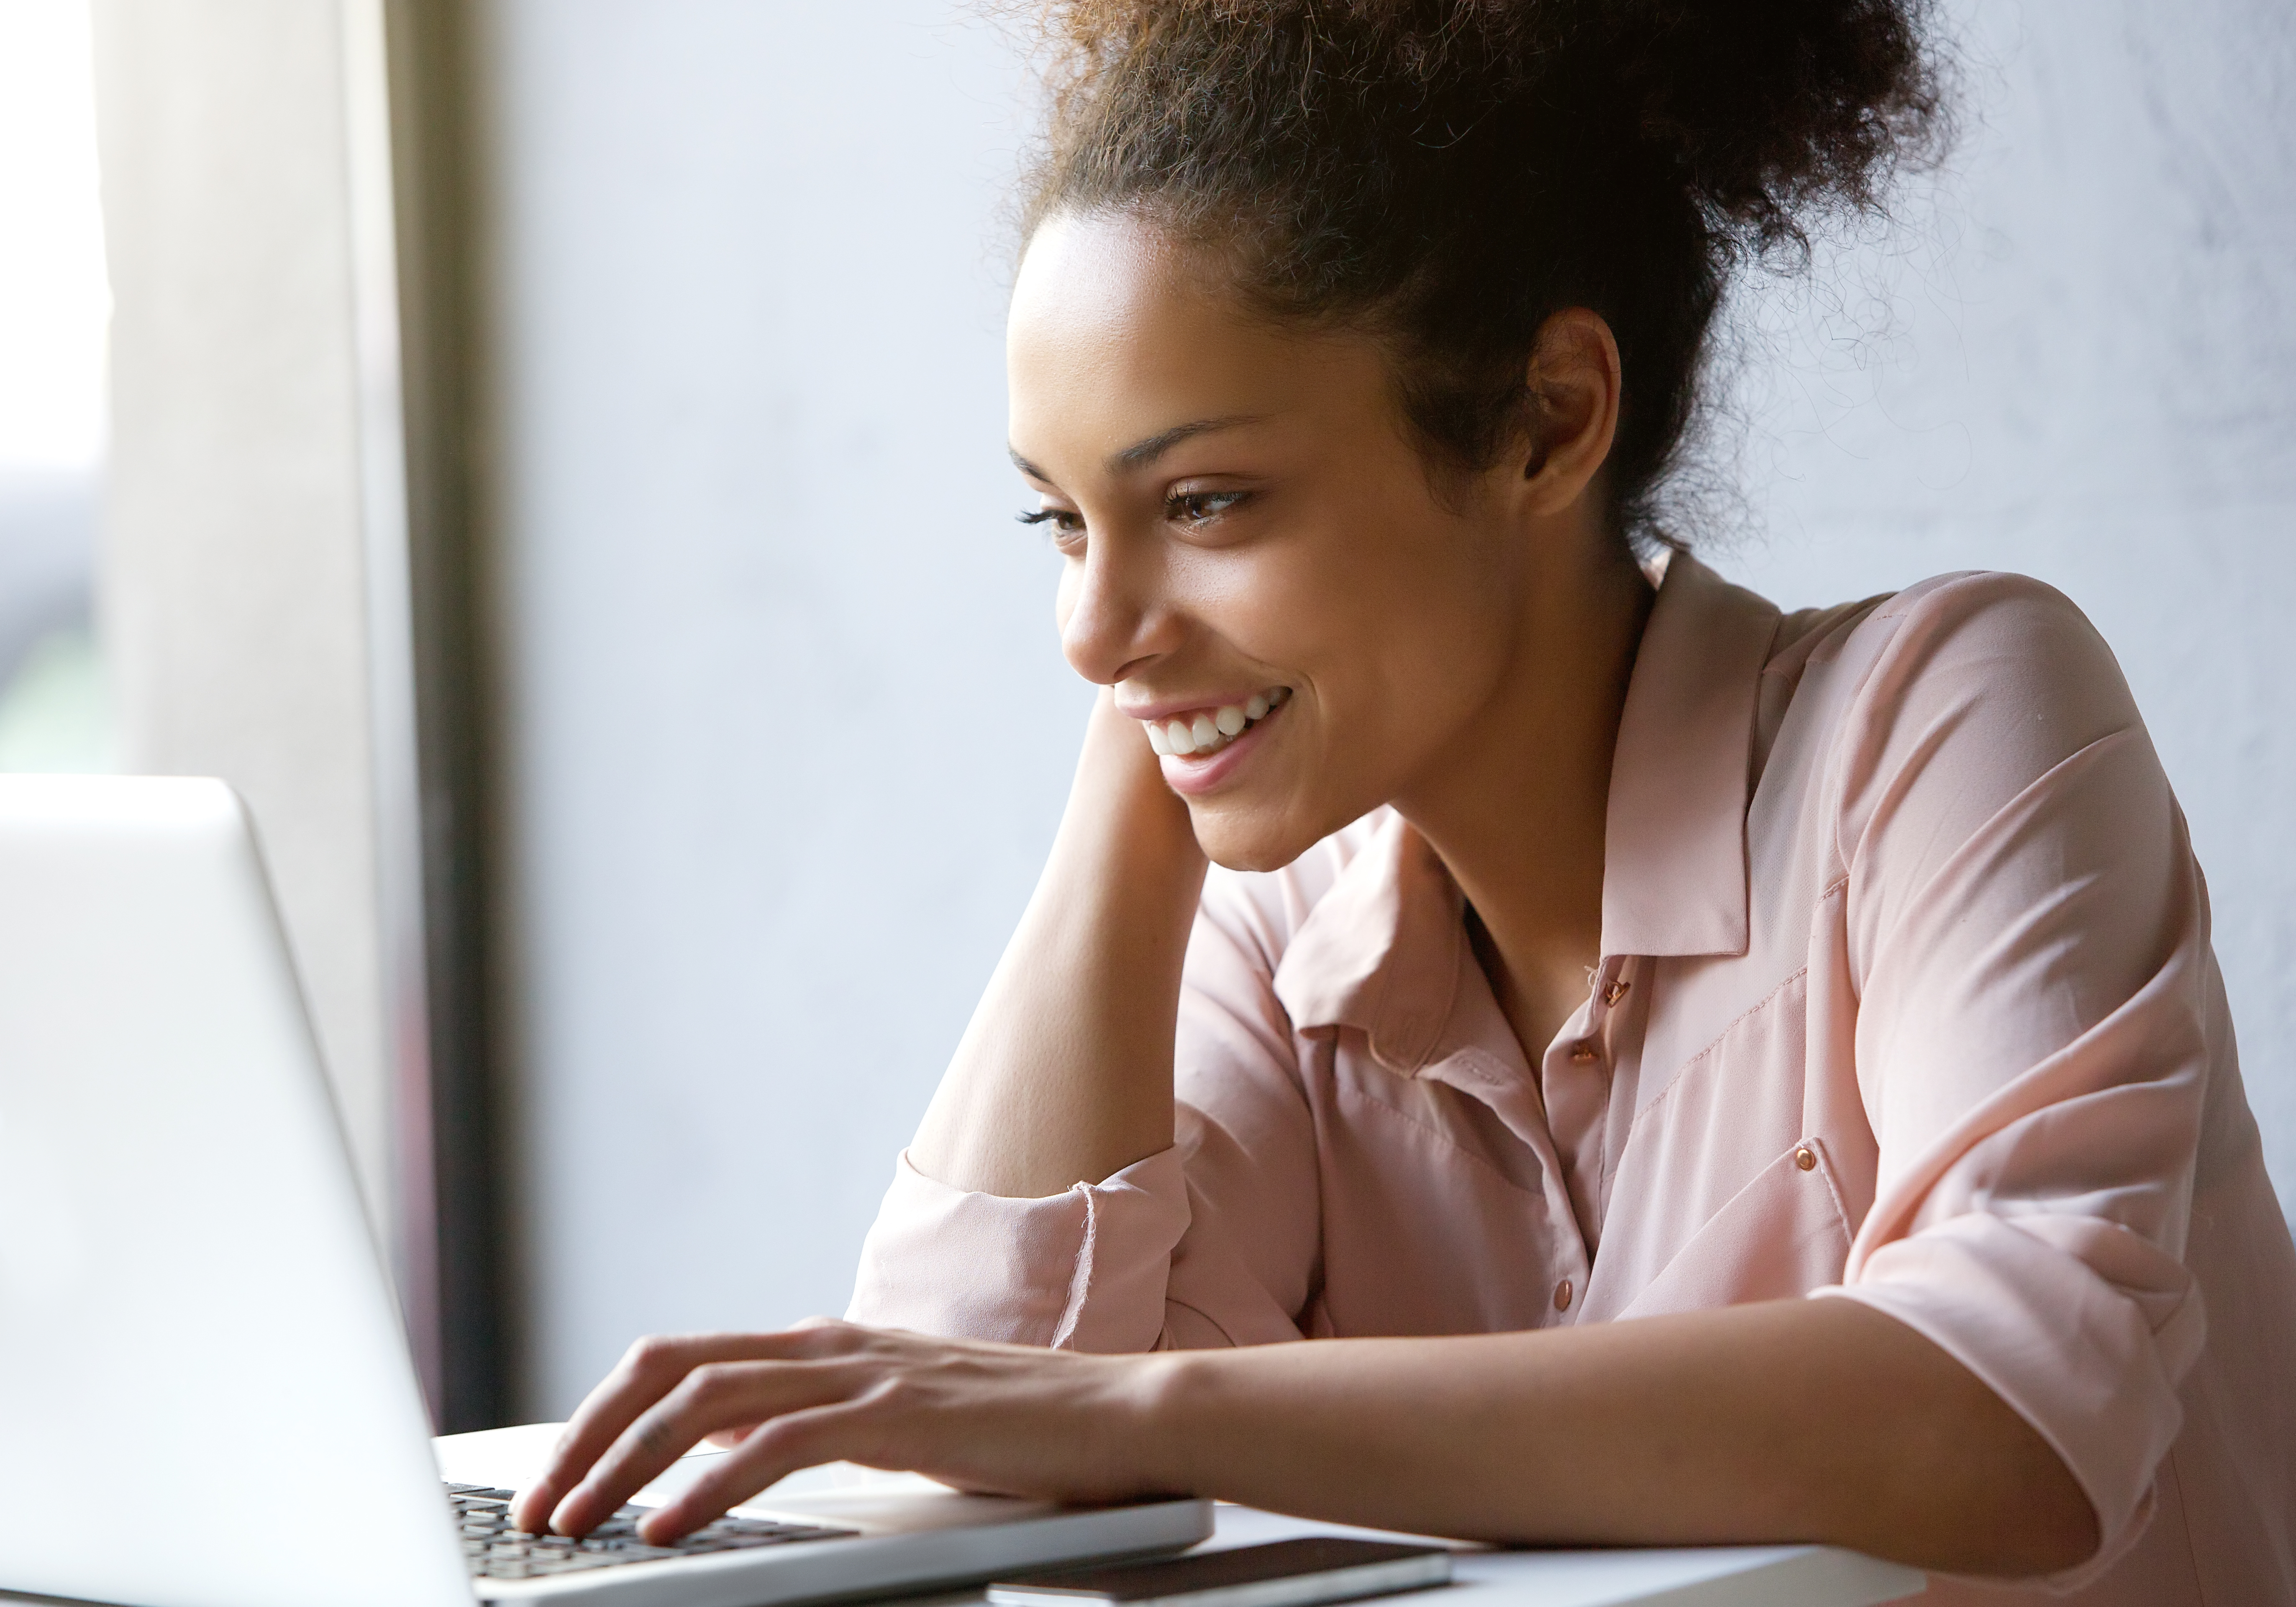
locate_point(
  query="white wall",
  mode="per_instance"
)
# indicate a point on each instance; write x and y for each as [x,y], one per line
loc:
[786,730]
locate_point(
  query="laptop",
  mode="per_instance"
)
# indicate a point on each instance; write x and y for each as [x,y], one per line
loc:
[206,1399]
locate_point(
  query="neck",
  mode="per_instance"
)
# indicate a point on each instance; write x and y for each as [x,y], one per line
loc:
[1517,812]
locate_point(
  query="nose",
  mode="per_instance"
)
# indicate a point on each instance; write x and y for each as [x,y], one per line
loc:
[1112,616]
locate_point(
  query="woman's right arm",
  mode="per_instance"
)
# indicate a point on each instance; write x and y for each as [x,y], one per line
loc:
[1065,1074]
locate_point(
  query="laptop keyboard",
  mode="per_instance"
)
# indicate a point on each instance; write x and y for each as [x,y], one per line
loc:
[493,1550]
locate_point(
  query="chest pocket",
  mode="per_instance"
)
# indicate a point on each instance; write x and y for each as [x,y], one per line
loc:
[1723,1196]
[1782,1235]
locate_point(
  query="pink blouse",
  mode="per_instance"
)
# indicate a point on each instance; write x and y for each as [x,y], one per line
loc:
[1906,996]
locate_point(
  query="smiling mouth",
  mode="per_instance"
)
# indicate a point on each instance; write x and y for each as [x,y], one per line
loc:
[1206,732]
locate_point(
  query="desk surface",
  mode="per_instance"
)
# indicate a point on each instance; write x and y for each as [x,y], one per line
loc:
[1718,1575]
[1721,1576]
[1730,1576]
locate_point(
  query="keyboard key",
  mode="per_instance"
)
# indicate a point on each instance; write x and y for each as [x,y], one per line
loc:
[493,1549]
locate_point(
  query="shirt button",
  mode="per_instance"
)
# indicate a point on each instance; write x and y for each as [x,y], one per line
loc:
[1805,1159]
[1615,992]
[1562,1294]
[1584,1050]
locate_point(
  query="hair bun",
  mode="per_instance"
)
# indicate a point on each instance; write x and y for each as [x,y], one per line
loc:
[1457,170]
[1779,107]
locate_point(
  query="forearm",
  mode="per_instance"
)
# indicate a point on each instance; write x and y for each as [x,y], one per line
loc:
[1813,1420]
[1065,1072]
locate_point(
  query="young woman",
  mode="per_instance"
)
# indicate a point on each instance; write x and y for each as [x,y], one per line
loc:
[1581,939]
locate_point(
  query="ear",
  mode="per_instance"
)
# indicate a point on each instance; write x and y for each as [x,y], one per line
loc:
[1574,375]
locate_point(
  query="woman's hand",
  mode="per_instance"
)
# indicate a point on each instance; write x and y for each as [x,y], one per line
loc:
[1003,1418]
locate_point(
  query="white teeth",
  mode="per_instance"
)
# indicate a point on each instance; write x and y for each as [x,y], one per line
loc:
[1210,730]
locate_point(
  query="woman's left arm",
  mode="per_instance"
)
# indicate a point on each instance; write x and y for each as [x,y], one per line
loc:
[1818,1421]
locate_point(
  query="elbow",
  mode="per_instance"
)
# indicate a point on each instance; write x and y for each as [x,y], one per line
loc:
[2047,1526]
[2006,1506]
[1967,1486]
[2023,1509]
[1987,1526]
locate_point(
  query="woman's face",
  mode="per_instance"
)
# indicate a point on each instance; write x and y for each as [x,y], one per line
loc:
[1253,556]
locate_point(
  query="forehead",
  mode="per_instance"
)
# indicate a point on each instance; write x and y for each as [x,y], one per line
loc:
[1117,333]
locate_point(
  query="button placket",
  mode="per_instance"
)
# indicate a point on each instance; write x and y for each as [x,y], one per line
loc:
[1575,1082]
[1605,987]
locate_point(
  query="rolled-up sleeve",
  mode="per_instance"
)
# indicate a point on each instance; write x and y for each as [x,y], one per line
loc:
[1083,1270]
[1209,1243]
[2030,933]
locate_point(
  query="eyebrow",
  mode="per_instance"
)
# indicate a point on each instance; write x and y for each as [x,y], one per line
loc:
[1140,454]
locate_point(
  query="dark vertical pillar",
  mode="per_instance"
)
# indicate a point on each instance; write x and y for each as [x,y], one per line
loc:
[435,179]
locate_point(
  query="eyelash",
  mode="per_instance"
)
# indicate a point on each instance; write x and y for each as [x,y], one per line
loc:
[1227,500]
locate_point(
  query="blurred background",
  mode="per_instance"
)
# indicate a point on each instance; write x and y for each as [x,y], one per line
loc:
[548,454]
[55,307]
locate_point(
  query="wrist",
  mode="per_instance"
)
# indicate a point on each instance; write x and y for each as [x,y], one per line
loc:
[1163,1395]
[1121,815]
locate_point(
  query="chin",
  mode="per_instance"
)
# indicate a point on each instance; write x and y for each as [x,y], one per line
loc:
[1255,839]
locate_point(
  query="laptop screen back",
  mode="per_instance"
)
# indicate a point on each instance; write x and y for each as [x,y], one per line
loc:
[205,1395]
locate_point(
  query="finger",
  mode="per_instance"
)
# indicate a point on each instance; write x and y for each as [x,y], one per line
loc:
[802,1438]
[648,1371]
[716,1395]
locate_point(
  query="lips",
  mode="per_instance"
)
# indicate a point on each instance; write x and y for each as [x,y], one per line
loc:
[1199,733]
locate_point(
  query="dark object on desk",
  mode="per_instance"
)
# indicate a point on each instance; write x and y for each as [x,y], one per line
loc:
[1284,1573]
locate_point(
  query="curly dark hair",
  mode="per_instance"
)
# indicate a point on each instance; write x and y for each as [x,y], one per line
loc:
[1449,173]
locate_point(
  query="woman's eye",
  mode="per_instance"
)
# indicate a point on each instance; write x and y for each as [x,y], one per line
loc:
[1200,507]
[1065,522]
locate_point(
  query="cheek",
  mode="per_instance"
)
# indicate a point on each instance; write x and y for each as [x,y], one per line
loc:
[1402,635]
[1396,645]
[1408,687]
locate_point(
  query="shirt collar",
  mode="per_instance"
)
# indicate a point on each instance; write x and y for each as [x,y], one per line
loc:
[1674,847]
[1383,950]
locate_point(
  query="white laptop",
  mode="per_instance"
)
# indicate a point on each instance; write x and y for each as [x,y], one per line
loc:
[205,1394]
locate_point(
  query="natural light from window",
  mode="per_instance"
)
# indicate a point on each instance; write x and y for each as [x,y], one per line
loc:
[55,311]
